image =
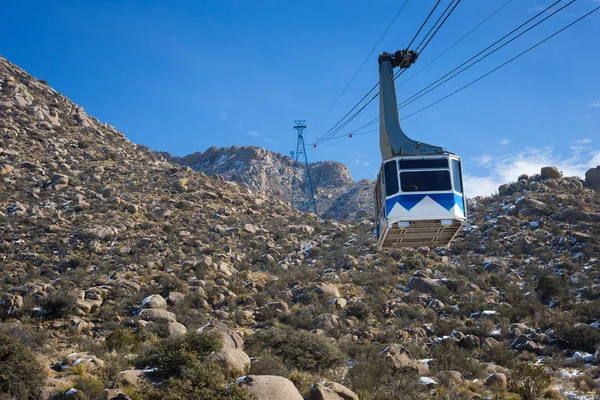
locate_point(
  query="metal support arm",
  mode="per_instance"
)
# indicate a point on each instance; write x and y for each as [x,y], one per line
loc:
[393,141]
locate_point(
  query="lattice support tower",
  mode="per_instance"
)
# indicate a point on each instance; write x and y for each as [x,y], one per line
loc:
[300,157]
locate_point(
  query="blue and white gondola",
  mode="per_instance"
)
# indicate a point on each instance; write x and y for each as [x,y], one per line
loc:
[419,196]
[420,201]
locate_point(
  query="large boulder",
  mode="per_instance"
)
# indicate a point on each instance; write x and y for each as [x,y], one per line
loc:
[550,173]
[400,359]
[176,329]
[592,177]
[522,342]
[229,338]
[327,322]
[301,229]
[90,362]
[270,387]
[331,391]
[327,290]
[234,361]
[423,284]
[154,301]
[470,342]
[532,208]
[11,303]
[157,314]
[496,265]
[497,379]
[176,298]
[450,377]
[131,377]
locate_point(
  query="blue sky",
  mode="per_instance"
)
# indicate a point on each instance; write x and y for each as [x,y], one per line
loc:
[183,76]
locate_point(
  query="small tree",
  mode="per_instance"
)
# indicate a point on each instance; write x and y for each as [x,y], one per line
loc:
[528,381]
[20,375]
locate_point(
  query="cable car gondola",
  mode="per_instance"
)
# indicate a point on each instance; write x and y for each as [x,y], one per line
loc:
[419,195]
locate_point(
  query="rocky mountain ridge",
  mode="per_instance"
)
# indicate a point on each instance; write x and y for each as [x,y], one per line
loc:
[271,173]
[124,276]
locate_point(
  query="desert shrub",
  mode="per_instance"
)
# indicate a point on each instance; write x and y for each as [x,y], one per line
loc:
[123,340]
[448,356]
[548,287]
[579,337]
[501,354]
[174,357]
[269,364]
[178,389]
[589,311]
[84,144]
[90,386]
[29,338]
[169,283]
[359,310]
[372,378]
[58,305]
[20,375]
[299,349]
[528,381]
[299,318]
[190,373]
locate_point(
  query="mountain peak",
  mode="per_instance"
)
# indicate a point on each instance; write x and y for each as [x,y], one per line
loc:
[265,171]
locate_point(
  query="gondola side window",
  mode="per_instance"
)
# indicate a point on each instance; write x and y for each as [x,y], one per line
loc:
[391,178]
[425,181]
[457,175]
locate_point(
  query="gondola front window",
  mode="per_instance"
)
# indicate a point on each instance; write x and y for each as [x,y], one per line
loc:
[425,181]
[391,178]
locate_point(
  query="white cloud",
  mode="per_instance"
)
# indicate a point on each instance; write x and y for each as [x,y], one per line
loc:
[223,114]
[250,132]
[507,168]
[267,140]
[504,142]
[584,141]
[483,160]
[589,116]
[595,104]
[360,159]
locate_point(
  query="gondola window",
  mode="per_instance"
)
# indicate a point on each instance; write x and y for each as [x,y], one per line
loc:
[425,181]
[391,178]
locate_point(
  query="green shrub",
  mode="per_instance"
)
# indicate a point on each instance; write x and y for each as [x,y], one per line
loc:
[179,389]
[579,337]
[91,386]
[58,305]
[174,356]
[123,340]
[190,373]
[299,349]
[20,375]
[528,381]
[372,378]
[359,310]
[269,364]
[501,354]
[448,356]
[549,287]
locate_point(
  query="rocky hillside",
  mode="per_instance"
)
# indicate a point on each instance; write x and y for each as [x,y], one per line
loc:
[271,173]
[124,276]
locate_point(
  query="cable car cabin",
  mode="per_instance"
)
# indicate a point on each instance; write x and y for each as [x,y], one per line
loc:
[419,198]
[419,201]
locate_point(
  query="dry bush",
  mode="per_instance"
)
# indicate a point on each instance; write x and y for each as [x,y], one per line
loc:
[528,381]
